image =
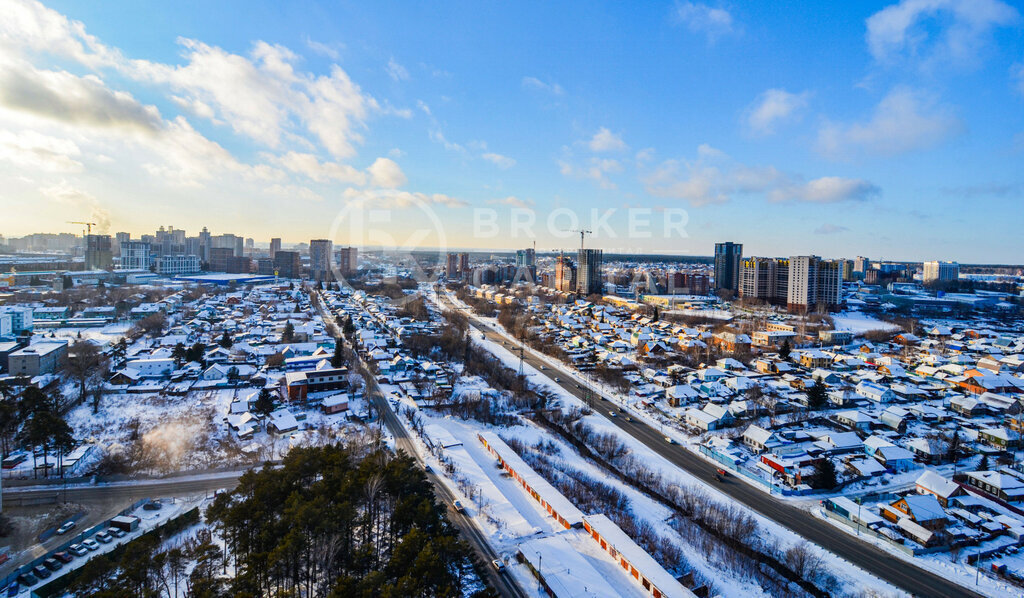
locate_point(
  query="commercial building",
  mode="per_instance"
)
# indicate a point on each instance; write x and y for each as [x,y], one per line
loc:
[288,264]
[174,265]
[936,271]
[687,283]
[98,252]
[320,253]
[727,266]
[219,257]
[135,255]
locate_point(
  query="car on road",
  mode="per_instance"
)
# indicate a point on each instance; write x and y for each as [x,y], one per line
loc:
[498,565]
[578,386]
[557,379]
[669,440]
[613,414]
[91,544]
[52,564]
[27,579]
[543,367]
[629,419]
[65,528]
[77,550]
[457,505]
[63,557]
[41,572]
[120,533]
[104,537]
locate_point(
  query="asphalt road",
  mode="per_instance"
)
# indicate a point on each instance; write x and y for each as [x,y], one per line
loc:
[908,577]
[502,582]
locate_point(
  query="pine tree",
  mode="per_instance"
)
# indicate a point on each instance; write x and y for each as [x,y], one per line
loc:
[225,340]
[338,359]
[785,350]
[816,396]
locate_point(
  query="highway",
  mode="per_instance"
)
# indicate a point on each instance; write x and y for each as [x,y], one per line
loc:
[502,582]
[908,577]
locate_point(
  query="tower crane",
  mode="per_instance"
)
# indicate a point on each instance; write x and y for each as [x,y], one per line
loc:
[582,233]
[88,227]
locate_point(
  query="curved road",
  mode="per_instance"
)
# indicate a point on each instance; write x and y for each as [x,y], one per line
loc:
[906,576]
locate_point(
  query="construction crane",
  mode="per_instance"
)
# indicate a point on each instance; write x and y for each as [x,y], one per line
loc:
[581,232]
[88,227]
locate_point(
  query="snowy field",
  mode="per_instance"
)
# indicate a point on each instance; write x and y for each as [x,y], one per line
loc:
[859,323]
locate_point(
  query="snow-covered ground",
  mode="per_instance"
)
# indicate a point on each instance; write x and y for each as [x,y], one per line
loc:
[859,323]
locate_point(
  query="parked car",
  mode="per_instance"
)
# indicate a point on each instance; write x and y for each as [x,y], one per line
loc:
[77,550]
[41,572]
[91,544]
[104,537]
[116,532]
[27,579]
[67,527]
[12,590]
[52,564]
[152,506]
[63,557]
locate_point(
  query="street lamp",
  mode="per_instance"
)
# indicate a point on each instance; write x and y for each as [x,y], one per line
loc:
[860,500]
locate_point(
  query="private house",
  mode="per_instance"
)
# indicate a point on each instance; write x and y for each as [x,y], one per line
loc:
[922,509]
[942,489]
[1001,485]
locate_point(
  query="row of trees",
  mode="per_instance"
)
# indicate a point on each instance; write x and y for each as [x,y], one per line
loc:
[34,419]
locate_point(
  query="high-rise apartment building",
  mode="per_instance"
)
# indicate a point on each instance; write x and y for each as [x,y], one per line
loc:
[321,252]
[174,265]
[727,266]
[936,271]
[451,266]
[348,260]
[220,258]
[275,246]
[464,265]
[764,278]
[589,271]
[288,264]
[861,265]
[135,255]
[526,265]
[814,282]
[98,252]
[565,274]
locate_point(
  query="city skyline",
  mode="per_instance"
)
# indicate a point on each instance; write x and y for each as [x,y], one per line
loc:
[885,131]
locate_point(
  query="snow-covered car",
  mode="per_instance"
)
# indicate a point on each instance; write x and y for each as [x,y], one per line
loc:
[91,544]
[104,537]
[77,550]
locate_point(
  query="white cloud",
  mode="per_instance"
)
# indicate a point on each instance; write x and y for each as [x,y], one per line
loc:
[311,167]
[535,83]
[62,96]
[904,120]
[606,141]
[397,71]
[32,150]
[386,173]
[596,169]
[713,177]
[512,201]
[394,198]
[936,31]
[28,25]
[701,18]
[499,160]
[262,96]
[331,50]
[293,192]
[830,229]
[775,106]
[438,137]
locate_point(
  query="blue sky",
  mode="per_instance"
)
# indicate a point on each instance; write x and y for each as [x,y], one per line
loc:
[888,129]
